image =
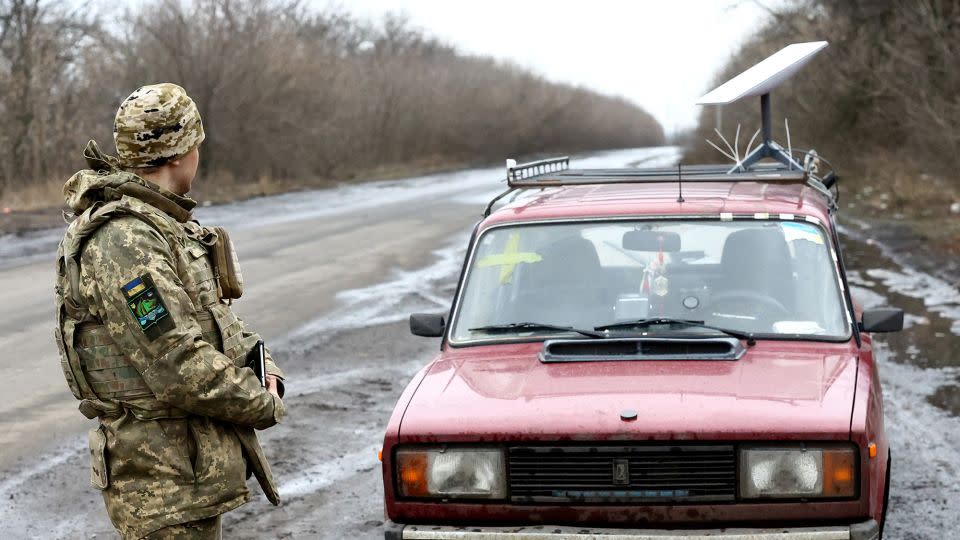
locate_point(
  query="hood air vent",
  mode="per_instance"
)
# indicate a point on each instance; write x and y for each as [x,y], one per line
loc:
[612,350]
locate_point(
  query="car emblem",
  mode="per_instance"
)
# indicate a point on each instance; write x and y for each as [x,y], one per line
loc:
[621,472]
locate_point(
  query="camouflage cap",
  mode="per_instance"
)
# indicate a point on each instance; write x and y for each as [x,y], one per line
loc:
[156,124]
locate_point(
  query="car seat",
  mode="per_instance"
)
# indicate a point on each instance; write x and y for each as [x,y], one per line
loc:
[758,260]
[566,287]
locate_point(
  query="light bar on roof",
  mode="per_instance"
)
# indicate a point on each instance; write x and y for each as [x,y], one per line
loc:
[765,76]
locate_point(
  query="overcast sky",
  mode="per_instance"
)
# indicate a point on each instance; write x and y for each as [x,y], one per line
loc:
[660,54]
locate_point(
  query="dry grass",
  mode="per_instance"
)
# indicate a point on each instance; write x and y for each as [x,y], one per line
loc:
[220,188]
[891,185]
[34,196]
[891,190]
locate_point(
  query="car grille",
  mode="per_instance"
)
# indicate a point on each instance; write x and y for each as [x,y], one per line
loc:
[611,474]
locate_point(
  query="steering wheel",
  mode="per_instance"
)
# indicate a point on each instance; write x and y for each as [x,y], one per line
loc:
[768,304]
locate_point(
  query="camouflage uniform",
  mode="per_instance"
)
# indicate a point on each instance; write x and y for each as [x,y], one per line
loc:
[152,350]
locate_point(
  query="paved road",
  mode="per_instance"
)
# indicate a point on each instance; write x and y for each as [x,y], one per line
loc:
[331,278]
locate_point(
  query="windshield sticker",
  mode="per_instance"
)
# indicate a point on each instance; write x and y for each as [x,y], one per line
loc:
[798,327]
[509,259]
[793,230]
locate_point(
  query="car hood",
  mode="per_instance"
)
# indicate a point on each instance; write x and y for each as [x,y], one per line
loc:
[504,392]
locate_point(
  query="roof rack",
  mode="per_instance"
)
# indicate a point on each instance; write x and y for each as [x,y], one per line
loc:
[517,173]
[556,172]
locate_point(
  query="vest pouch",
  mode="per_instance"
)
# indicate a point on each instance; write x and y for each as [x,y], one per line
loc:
[99,474]
[226,266]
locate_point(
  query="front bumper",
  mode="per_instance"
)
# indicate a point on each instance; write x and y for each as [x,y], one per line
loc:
[868,530]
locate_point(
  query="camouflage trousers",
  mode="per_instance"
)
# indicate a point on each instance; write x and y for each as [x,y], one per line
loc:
[204,529]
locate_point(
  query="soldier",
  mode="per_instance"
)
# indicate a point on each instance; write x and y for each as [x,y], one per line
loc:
[148,340]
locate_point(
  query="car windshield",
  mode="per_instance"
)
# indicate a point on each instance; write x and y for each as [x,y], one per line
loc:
[765,278]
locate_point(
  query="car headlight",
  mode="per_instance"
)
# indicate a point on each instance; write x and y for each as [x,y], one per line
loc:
[784,472]
[471,473]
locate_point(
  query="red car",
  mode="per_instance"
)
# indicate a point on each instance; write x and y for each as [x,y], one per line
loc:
[647,354]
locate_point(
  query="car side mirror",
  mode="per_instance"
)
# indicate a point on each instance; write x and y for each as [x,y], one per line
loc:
[427,325]
[882,320]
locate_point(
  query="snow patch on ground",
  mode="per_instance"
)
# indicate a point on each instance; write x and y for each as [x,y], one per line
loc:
[43,465]
[925,481]
[937,295]
[380,303]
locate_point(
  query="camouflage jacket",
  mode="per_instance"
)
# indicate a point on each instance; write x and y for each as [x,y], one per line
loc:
[151,349]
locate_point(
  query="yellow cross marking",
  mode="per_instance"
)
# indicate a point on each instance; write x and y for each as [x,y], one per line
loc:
[509,259]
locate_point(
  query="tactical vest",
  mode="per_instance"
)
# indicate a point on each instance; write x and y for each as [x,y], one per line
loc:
[97,371]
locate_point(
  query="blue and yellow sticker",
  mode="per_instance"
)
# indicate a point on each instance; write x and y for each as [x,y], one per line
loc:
[793,230]
[147,307]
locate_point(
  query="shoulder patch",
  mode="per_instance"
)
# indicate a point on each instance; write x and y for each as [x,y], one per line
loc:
[147,307]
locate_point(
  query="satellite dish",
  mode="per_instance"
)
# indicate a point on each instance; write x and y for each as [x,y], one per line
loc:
[759,80]
[765,76]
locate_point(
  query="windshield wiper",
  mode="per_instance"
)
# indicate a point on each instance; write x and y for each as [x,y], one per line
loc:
[644,323]
[508,327]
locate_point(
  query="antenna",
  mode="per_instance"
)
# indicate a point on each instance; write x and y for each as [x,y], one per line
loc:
[760,80]
[680,181]
[786,128]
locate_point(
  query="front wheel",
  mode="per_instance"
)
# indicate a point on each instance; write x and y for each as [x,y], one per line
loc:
[886,495]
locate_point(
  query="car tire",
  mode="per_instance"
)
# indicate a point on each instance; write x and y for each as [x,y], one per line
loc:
[886,495]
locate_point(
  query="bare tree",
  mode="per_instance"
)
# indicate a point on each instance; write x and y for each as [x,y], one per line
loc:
[286,93]
[38,70]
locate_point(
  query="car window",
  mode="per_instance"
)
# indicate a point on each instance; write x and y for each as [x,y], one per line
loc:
[764,277]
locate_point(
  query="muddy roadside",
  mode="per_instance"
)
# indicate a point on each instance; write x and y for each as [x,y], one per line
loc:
[913,217]
[905,241]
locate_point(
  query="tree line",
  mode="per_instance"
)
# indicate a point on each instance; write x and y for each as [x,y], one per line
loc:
[887,90]
[286,92]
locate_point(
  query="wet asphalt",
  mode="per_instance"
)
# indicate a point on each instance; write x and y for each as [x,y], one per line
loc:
[370,255]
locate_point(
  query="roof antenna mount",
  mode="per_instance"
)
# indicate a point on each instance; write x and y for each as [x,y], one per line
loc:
[768,147]
[760,80]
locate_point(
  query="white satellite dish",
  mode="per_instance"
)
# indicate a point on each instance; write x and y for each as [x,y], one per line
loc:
[759,80]
[765,76]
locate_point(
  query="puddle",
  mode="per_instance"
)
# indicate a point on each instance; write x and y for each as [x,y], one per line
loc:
[931,337]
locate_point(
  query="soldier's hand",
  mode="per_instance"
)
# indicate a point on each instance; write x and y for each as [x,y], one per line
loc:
[272,385]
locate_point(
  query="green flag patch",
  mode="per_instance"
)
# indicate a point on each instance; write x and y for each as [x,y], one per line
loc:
[147,307]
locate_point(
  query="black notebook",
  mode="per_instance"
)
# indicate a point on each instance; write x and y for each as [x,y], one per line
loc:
[256,360]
